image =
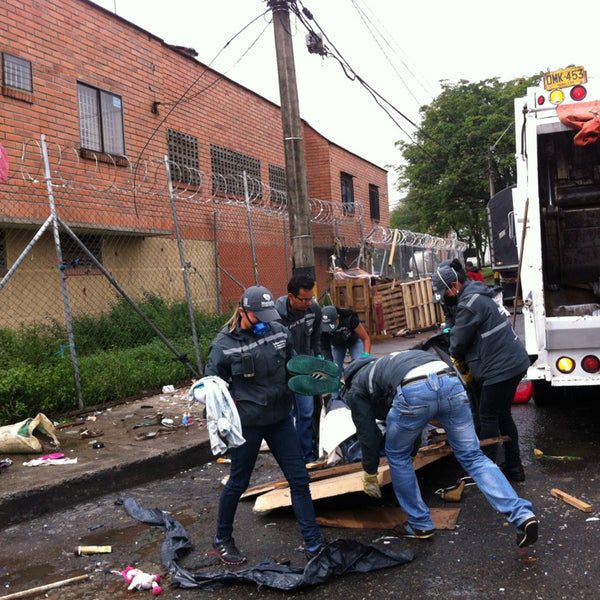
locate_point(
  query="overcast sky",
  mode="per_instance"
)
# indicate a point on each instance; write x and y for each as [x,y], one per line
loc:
[425,41]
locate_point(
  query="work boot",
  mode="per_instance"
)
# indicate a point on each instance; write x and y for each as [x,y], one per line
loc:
[527,532]
[514,473]
[227,552]
[408,531]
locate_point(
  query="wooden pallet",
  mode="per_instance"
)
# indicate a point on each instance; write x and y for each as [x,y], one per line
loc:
[421,310]
[354,294]
[389,297]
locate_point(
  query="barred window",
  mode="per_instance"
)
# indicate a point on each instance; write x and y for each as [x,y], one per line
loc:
[228,166]
[347,183]
[16,73]
[74,257]
[183,154]
[374,202]
[277,184]
[100,120]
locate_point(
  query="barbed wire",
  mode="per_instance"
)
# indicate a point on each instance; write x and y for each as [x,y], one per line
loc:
[384,236]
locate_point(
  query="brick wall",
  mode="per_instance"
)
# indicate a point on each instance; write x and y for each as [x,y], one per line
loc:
[73,40]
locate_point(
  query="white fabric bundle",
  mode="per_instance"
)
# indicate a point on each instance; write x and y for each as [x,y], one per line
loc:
[223,419]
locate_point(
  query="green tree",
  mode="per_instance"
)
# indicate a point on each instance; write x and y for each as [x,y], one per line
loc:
[445,172]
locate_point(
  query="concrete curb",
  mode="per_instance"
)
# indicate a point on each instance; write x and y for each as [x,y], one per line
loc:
[27,504]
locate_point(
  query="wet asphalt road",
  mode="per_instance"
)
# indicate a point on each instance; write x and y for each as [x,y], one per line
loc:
[477,560]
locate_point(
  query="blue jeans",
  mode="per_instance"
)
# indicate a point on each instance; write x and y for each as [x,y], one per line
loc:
[444,398]
[304,407]
[284,447]
[339,353]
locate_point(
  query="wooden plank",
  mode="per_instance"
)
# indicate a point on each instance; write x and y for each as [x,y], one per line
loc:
[576,502]
[351,482]
[385,517]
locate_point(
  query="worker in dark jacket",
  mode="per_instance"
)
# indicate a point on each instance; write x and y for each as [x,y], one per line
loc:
[299,312]
[250,354]
[483,339]
[342,333]
[407,389]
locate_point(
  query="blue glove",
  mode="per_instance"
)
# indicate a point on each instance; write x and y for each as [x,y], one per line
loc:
[446,329]
[365,355]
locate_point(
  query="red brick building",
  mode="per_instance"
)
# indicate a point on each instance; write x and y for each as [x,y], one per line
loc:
[99,88]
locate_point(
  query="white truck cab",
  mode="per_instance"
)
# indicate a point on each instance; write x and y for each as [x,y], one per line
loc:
[558,193]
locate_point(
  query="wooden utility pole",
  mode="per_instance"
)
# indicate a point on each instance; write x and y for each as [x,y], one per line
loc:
[303,256]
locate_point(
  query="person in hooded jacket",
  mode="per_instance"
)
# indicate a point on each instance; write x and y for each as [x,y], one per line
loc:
[406,390]
[250,353]
[483,339]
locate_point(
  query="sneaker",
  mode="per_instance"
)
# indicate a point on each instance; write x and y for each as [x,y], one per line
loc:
[516,473]
[227,552]
[527,532]
[308,385]
[407,531]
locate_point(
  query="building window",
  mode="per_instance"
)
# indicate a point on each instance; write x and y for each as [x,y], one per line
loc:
[3,265]
[277,184]
[374,202]
[74,257]
[16,73]
[227,168]
[347,193]
[100,120]
[183,154]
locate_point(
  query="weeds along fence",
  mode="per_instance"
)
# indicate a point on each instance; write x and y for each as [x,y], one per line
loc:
[117,275]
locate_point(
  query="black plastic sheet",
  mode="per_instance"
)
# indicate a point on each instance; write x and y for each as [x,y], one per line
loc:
[337,558]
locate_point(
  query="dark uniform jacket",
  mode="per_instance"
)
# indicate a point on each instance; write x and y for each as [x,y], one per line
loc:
[373,384]
[483,337]
[254,367]
[305,326]
[344,335]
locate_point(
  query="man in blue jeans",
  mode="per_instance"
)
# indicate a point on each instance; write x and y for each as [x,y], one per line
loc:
[407,389]
[299,312]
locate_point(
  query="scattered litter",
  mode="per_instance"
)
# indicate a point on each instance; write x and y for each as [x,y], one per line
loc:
[19,439]
[223,461]
[86,433]
[97,445]
[270,524]
[45,588]
[579,504]
[83,550]
[5,463]
[225,480]
[95,527]
[186,420]
[167,422]
[592,519]
[146,406]
[44,460]
[168,389]
[138,580]
[537,453]
[91,418]
[149,435]
[150,421]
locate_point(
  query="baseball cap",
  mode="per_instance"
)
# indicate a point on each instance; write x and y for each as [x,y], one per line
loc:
[443,277]
[260,301]
[329,319]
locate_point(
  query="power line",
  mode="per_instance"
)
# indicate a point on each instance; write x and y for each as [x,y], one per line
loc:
[363,18]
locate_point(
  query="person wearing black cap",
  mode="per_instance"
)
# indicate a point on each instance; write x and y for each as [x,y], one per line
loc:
[342,333]
[250,353]
[483,339]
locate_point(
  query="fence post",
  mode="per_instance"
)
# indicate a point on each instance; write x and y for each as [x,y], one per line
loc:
[184,267]
[250,228]
[63,276]
[217,260]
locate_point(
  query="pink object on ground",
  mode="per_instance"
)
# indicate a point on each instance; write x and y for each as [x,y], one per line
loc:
[53,456]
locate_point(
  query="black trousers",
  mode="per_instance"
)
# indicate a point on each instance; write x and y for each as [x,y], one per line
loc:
[495,418]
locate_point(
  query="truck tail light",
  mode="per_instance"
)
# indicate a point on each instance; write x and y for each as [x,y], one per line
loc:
[565,364]
[541,100]
[578,92]
[557,96]
[590,364]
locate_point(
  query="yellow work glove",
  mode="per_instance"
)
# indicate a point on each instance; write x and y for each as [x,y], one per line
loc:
[463,369]
[371,485]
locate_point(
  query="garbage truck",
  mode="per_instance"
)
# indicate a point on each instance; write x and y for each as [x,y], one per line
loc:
[556,205]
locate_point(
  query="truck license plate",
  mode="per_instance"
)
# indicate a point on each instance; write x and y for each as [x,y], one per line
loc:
[564,78]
